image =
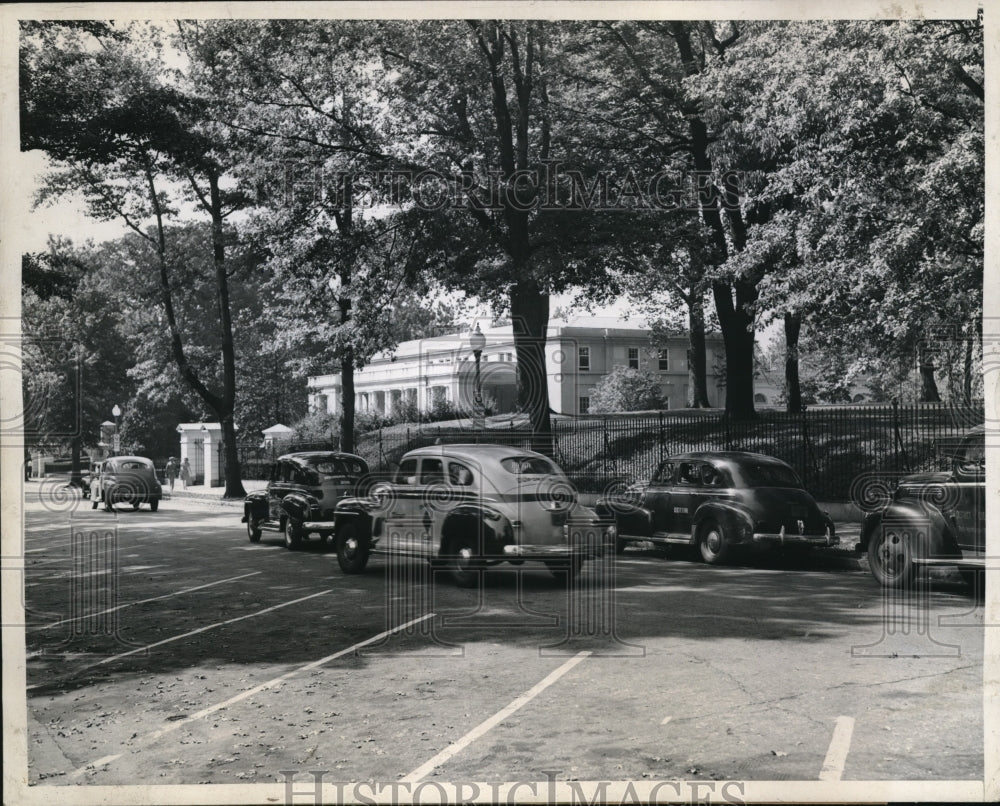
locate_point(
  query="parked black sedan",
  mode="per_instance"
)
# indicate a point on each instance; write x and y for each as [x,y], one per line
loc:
[718,502]
[319,479]
[933,519]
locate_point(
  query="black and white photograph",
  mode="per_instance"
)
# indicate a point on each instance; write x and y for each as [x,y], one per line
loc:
[478,402]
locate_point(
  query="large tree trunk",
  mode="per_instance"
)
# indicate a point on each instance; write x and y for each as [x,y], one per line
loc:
[928,386]
[735,316]
[529,308]
[346,388]
[697,395]
[793,390]
[967,371]
[234,484]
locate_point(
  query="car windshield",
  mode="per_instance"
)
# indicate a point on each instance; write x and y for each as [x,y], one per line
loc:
[770,475]
[528,466]
[337,466]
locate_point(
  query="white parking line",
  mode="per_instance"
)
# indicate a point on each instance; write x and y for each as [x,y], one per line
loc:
[836,756]
[142,601]
[156,734]
[457,747]
[208,627]
[666,719]
[173,638]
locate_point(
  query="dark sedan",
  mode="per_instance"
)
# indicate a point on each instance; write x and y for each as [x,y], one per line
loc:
[313,482]
[718,502]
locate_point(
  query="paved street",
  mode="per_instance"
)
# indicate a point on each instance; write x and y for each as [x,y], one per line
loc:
[164,648]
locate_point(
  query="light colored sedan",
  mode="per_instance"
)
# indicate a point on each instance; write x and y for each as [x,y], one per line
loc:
[467,507]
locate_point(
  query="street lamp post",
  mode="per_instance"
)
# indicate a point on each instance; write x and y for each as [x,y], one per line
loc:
[478,341]
[116,412]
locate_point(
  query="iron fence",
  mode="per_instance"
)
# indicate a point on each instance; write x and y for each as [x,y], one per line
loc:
[829,446]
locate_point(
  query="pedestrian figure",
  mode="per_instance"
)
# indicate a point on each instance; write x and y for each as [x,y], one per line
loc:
[95,487]
[186,473]
[171,472]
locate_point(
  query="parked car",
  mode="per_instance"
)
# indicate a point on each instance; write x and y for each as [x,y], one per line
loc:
[467,507]
[933,519]
[720,502]
[318,480]
[127,479]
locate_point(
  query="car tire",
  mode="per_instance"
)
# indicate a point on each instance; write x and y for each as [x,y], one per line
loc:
[565,570]
[712,544]
[890,558]
[463,560]
[154,505]
[253,529]
[352,549]
[108,498]
[293,535]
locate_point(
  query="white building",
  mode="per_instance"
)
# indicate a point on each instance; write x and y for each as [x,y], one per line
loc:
[578,354]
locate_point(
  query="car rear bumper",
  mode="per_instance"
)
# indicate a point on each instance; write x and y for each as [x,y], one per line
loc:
[588,542]
[793,538]
[532,552]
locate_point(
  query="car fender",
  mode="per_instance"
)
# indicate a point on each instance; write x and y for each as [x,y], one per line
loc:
[630,518]
[736,520]
[497,524]
[299,507]
[940,537]
[255,504]
[357,510]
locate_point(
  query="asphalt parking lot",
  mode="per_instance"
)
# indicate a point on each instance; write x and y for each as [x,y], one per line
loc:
[164,648]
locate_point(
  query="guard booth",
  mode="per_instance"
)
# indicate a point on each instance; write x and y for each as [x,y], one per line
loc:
[193,449]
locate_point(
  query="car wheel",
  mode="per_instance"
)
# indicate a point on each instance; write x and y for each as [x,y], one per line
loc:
[565,570]
[464,562]
[352,549]
[713,544]
[154,505]
[253,529]
[890,556]
[293,535]
[108,498]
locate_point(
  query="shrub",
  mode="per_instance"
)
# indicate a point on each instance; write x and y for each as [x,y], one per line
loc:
[317,426]
[627,389]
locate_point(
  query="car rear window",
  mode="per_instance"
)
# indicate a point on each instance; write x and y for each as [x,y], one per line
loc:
[339,467]
[770,475]
[134,465]
[528,466]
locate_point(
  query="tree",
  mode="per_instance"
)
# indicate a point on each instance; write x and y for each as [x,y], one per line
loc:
[121,134]
[868,139]
[627,389]
[475,105]
[303,97]
[76,363]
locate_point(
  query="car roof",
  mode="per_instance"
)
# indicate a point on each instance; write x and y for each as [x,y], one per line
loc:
[130,459]
[305,456]
[481,450]
[730,457]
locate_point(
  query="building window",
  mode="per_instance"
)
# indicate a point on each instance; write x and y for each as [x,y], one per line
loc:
[664,360]
[584,359]
[633,358]
[584,405]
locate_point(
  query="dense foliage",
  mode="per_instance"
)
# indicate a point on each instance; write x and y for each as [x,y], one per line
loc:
[828,176]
